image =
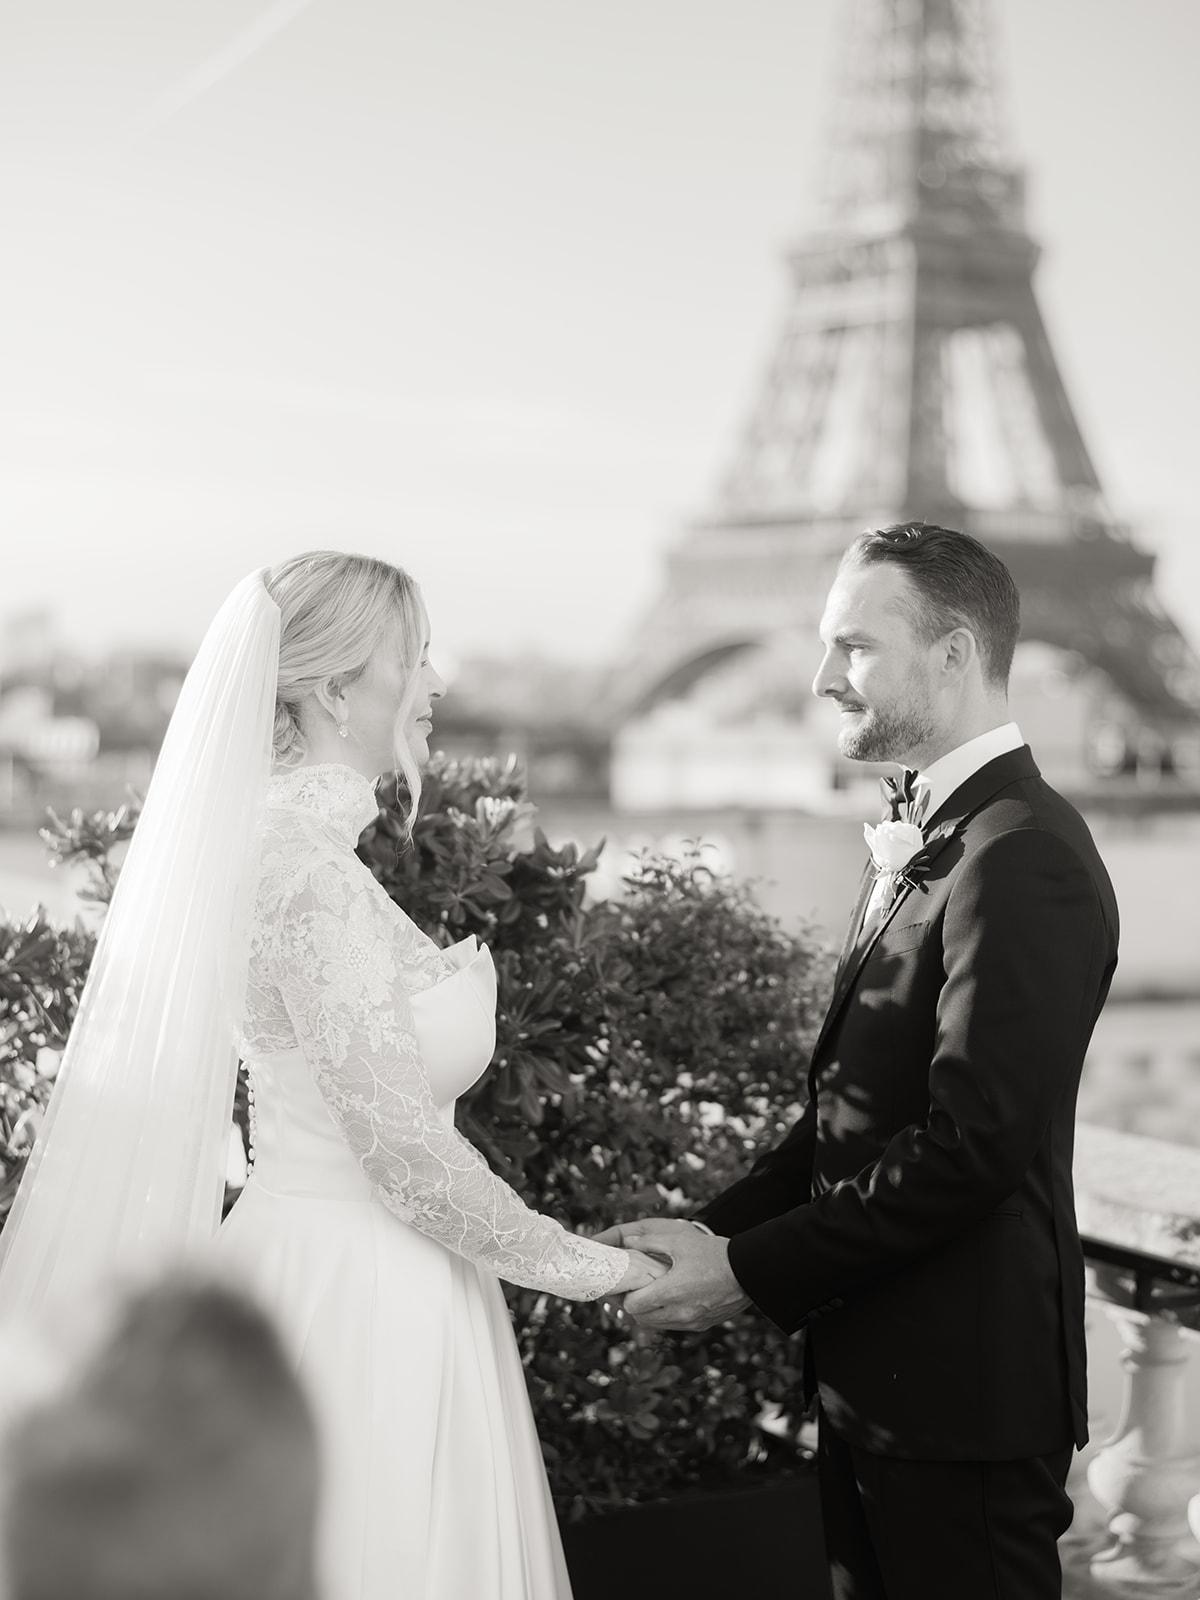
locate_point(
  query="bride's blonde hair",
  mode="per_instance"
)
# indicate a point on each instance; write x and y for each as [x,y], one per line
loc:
[335,612]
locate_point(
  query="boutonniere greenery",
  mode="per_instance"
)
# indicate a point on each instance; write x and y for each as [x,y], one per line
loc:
[901,851]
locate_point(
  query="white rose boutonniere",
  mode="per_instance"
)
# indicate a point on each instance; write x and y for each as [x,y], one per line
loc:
[901,850]
[893,845]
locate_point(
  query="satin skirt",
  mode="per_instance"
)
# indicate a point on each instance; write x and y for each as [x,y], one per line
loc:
[433,1482]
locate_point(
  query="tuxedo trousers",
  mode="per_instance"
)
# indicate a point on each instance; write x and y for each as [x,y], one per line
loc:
[898,1529]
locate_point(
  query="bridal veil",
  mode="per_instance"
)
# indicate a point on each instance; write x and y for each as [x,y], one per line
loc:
[127,1173]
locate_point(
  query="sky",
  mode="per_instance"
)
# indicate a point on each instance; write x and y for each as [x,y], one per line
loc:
[487,289]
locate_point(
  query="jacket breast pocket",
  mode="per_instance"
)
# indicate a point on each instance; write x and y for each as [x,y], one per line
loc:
[893,940]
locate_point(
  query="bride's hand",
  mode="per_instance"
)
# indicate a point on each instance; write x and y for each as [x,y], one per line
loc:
[643,1269]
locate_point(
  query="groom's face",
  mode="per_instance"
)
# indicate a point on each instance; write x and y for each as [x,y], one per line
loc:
[876,667]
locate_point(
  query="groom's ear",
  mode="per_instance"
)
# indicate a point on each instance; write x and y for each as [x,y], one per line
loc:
[959,654]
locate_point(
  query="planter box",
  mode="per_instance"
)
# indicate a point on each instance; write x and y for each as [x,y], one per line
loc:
[707,1545]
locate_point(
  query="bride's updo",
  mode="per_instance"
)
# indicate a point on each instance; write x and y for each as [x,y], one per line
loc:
[335,612]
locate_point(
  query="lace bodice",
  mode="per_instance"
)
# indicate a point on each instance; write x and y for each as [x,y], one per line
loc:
[336,970]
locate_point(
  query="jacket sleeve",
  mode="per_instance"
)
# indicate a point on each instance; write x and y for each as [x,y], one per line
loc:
[779,1180]
[1026,953]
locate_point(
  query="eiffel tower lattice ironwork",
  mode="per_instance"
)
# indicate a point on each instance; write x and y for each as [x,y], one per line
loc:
[913,377]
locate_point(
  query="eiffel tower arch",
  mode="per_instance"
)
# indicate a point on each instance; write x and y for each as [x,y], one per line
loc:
[912,378]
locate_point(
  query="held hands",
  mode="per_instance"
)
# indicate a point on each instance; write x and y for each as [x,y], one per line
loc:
[642,1272]
[700,1288]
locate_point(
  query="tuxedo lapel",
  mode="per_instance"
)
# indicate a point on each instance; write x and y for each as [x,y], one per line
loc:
[851,966]
[954,813]
[866,884]
[1012,767]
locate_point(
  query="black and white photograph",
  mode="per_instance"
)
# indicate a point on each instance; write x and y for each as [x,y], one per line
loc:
[599,800]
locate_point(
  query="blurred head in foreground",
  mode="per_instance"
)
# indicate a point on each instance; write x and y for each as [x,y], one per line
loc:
[179,1463]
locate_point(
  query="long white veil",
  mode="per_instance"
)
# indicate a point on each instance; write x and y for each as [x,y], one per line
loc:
[128,1169]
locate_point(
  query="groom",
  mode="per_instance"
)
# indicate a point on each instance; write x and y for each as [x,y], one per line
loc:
[918,1219]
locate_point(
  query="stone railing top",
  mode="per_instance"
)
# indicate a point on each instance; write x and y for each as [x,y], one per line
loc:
[1142,1194]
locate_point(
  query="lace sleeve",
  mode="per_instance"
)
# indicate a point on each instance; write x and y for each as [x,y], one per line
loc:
[339,961]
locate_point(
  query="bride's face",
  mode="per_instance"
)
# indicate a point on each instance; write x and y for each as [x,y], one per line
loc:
[389,700]
[426,686]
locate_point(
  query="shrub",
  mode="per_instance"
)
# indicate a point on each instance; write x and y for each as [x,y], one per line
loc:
[645,1046]
[42,971]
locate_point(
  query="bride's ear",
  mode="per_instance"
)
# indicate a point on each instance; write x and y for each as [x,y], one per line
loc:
[330,696]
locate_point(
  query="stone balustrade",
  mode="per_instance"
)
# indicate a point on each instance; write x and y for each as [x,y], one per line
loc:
[1138,1483]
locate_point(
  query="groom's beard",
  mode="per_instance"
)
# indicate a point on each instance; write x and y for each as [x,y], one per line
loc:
[888,733]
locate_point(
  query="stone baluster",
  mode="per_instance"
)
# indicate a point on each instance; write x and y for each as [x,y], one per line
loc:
[1145,1475]
[1138,1202]
[1088,1532]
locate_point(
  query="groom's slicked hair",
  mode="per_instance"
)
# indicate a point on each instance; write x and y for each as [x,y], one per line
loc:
[956,583]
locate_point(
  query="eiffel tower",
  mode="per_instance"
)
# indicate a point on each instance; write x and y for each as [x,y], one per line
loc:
[913,377]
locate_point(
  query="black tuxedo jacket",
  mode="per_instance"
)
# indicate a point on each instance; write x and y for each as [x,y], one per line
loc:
[919,1219]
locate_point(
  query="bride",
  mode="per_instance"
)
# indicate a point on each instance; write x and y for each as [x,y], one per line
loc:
[371,1229]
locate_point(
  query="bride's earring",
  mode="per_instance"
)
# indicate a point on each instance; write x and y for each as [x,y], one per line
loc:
[343,731]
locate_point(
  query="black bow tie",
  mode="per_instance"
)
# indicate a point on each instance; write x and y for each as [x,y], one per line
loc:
[898,796]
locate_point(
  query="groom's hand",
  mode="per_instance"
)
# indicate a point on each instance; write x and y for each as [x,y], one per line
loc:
[698,1291]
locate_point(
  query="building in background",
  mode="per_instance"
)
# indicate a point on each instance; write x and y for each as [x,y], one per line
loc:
[913,378]
[76,733]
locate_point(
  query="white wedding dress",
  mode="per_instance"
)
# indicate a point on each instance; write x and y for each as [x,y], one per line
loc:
[375,1233]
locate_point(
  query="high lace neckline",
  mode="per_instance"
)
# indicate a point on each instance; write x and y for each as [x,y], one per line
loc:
[340,795]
